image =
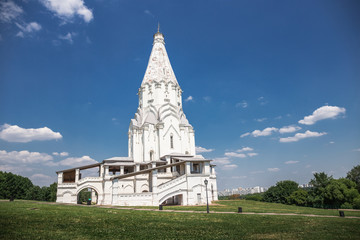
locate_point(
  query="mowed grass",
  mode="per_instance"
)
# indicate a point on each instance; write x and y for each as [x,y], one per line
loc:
[260,207]
[31,220]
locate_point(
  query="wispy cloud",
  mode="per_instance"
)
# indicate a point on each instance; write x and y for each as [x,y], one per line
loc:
[14,133]
[28,28]
[262,101]
[199,149]
[245,149]
[68,37]
[235,154]
[244,134]
[242,104]
[321,113]
[299,136]
[291,162]
[9,11]
[147,12]
[273,169]
[260,119]
[189,98]
[207,99]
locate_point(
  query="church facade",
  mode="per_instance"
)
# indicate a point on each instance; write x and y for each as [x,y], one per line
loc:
[162,166]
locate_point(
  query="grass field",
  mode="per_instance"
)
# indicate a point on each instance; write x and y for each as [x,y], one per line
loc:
[31,220]
[261,207]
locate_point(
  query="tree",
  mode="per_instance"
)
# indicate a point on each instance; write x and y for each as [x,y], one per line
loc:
[354,175]
[317,193]
[281,192]
[13,186]
[53,191]
[340,192]
[299,197]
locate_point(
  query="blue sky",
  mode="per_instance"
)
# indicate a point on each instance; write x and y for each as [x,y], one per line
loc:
[272,87]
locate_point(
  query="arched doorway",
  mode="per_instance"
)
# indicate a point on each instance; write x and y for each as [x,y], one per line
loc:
[86,195]
[174,200]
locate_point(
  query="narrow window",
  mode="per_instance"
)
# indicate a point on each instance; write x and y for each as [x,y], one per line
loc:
[171,141]
[151,155]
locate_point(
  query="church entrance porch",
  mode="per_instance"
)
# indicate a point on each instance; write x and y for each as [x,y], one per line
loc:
[174,200]
[87,195]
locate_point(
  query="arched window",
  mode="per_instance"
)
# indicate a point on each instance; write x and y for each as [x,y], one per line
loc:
[151,155]
[171,141]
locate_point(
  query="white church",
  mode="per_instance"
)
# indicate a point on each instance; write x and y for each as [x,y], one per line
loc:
[162,166]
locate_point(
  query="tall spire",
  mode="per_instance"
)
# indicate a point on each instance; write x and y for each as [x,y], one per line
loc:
[159,67]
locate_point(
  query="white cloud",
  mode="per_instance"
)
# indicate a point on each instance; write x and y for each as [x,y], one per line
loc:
[207,98]
[40,176]
[67,37]
[9,11]
[149,13]
[273,169]
[234,154]
[14,133]
[291,162]
[245,134]
[357,150]
[76,162]
[189,98]
[229,166]
[260,119]
[252,154]
[300,136]
[28,28]
[262,101]
[266,132]
[239,177]
[68,9]
[20,34]
[199,149]
[289,129]
[64,154]
[332,142]
[245,149]
[242,104]
[321,113]
[24,157]
[222,161]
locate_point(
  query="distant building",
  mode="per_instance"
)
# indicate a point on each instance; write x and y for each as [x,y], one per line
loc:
[242,191]
[162,166]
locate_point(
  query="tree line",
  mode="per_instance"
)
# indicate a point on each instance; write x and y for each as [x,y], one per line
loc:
[14,186]
[324,192]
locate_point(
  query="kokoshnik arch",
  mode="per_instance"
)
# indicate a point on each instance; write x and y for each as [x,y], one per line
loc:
[162,166]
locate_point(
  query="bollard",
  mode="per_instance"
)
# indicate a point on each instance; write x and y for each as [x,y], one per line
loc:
[239,209]
[160,207]
[342,214]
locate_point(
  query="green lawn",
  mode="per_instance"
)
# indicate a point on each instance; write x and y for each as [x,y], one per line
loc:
[260,207]
[30,220]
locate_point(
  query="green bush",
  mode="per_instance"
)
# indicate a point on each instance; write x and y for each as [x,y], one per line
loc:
[346,206]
